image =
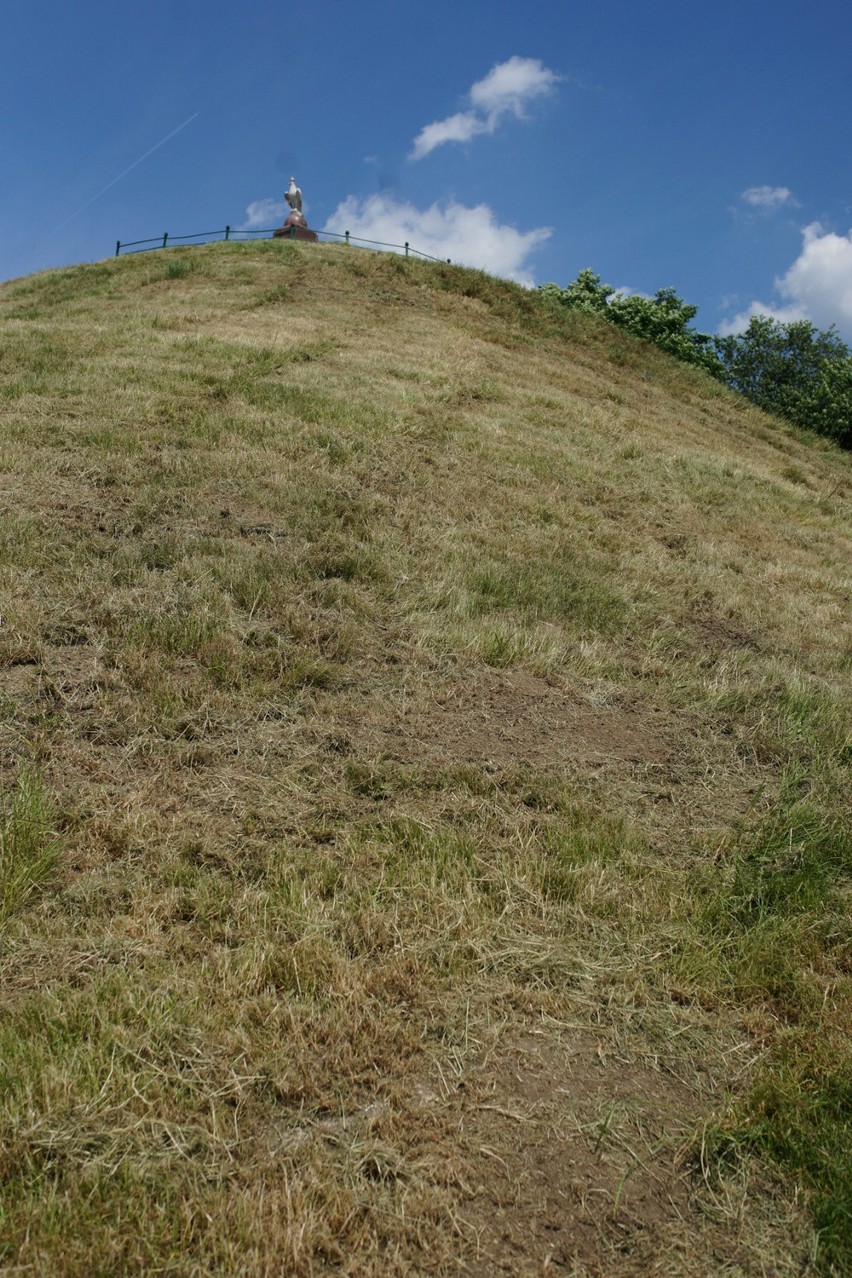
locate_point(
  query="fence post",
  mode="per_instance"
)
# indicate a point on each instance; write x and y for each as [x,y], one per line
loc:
[347,237]
[406,248]
[117,247]
[165,238]
[227,232]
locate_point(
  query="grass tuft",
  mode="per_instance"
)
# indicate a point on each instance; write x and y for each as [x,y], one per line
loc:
[28,846]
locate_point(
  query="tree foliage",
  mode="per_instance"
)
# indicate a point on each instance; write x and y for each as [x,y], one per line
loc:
[793,370]
[664,319]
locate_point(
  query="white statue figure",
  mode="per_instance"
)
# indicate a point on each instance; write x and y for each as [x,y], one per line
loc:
[293,196]
[295,226]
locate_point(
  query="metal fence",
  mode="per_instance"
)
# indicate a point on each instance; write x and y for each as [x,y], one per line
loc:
[230,233]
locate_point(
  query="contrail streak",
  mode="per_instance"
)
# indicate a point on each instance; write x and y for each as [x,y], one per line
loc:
[129,169]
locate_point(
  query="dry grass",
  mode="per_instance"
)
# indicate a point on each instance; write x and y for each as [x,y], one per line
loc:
[444,708]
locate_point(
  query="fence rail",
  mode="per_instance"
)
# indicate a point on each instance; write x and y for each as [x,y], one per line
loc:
[235,234]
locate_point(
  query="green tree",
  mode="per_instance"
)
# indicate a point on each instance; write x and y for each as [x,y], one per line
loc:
[664,319]
[585,293]
[794,370]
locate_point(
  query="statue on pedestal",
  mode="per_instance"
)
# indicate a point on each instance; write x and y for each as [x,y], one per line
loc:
[295,224]
[293,196]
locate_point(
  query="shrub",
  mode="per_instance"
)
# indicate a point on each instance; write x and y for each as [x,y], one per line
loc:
[663,319]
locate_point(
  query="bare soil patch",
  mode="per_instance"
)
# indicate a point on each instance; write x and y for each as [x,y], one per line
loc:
[722,633]
[514,718]
[573,1156]
[677,773]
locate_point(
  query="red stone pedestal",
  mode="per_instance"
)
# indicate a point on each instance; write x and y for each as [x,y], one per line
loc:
[295,228]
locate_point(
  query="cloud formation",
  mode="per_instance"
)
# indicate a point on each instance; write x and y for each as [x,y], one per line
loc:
[817,287]
[469,236]
[768,197]
[505,90]
[820,279]
[263,215]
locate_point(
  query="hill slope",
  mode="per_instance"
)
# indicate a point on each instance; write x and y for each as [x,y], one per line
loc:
[424,733]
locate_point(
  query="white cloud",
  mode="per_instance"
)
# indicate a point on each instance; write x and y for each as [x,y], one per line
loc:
[820,279]
[468,236]
[768,197]
[740,322]
[510,85]
[505,90]
[456,128]
[263,215]
[817,287]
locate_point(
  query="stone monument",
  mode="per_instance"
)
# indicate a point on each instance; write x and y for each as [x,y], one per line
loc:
[295,224]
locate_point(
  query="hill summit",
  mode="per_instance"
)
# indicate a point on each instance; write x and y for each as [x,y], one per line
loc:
[425,743]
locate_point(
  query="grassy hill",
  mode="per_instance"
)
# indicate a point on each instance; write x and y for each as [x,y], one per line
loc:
[424,730]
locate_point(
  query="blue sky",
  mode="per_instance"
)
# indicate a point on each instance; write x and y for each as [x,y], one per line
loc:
[705,147]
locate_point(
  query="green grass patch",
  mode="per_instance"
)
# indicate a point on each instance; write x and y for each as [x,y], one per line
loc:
[799,1114]
[791,866]
[577,841]
[778,934]
[28,845]
[565,590]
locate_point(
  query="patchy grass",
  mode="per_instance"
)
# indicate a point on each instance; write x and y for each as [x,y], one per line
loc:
[28,848]
[426,729]
[782,923]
